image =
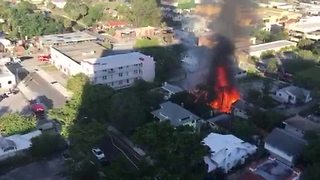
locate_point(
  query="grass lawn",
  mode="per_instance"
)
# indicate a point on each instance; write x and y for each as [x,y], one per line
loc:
[145,43]
[308,78]
[49,68]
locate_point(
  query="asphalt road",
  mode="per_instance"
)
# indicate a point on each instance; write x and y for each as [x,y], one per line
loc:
[40,170]
[46,93]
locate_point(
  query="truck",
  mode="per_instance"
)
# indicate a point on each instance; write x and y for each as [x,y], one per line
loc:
[44,57]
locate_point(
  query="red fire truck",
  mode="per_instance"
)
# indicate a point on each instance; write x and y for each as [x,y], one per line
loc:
[44,57]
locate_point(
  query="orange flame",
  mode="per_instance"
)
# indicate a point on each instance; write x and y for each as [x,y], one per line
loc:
[226,94]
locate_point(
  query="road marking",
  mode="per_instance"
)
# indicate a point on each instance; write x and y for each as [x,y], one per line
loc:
[122,151]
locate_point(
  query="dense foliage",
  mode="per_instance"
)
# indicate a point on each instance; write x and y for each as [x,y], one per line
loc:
[47,144]
[23,21]
[16,124]
[177,154]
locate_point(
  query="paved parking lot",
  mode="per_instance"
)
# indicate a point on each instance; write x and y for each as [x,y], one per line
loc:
[41,170]
[14,103]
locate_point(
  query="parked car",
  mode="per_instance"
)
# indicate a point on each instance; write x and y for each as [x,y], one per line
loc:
[98,153]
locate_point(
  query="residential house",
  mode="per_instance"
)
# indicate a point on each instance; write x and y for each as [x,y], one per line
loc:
[115,24]
[12,145]
[300,125]
[293,95]
[284,146]
[177,115]
[7,79]
[241,109]
[227,151]
[170,90]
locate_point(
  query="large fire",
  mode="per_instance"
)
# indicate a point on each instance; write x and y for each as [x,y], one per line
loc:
[226,93]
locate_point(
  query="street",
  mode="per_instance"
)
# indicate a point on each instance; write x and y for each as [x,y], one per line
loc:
[40,170]
[44,91]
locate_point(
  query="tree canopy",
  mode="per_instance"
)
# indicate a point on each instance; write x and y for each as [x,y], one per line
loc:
[146,13]
[15,123]
[47,144]
[177,154]
[24,21]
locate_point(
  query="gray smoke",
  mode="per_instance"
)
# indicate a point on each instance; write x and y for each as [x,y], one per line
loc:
[227,28]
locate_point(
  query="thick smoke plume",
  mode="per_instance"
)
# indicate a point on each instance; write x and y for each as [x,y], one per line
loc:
[228,28]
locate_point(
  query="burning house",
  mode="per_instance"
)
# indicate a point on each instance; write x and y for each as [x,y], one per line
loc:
[219,89]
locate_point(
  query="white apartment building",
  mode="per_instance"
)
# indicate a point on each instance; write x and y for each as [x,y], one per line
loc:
[7,79]
[101,66]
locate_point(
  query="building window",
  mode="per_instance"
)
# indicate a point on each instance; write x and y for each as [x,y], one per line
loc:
[121,67]
[135,71]
[9,82]
[105,70]
[128,81]
[120,74]
[120,82]
[111,83]
[140,64]
[104,77]
[140,72]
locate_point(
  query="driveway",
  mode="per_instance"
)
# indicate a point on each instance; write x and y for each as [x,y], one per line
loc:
[41,170]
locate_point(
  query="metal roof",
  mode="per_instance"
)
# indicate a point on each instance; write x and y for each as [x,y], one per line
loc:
[78,36]
[285,142]
[176,114]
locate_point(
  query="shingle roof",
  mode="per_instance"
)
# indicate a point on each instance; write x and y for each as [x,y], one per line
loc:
[172,88]
[303,124]
[285,142]
[175,113]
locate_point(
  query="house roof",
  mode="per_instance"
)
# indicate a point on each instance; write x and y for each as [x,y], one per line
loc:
[176,114]
[171,88]
[303,124]
[300,93]
[222,146]
[241,104]
[285,142]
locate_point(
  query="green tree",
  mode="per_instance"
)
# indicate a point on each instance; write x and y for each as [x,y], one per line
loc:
[267,54]
[146,13]
[95,13]
[76,83]
[126,112]
[177,154]
[266,120]
[254,96]
[272,66]
[243,129]
[67,23]
[305,44]
[306,54]
[14,123]
[47,144]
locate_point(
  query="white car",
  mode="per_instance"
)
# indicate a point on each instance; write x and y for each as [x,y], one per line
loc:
[98,153]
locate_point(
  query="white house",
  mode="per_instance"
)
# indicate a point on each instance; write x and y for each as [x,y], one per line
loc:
[177,115]
[293,95]
[257,50]
[227,151]
[284,146]
[101,66]
[11,145]
[7,79]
